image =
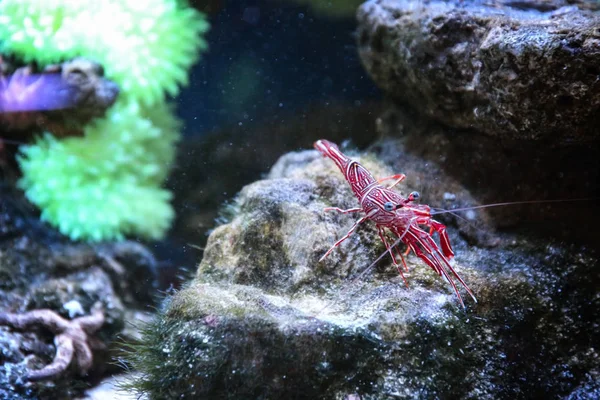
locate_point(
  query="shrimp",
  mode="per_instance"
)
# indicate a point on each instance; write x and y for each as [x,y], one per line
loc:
[401,216]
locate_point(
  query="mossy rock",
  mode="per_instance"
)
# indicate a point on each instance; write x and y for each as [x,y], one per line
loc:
[265,319]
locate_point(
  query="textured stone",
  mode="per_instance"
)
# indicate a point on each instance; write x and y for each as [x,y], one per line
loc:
[265,319]
[547,180]
[515,69]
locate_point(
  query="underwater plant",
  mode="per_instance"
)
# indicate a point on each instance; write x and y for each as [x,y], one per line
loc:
[107,184]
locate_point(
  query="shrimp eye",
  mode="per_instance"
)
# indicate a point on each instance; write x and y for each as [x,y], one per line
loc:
[389,206]
[414,196]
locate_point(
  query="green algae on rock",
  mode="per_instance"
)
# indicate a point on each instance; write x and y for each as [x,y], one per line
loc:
[264,319]
[234,340]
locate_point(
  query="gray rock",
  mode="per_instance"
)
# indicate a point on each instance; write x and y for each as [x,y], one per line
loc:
[62,98]
[514,69]
[588,390]
[265,319]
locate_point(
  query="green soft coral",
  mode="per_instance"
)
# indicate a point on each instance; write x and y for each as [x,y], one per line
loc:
[34,30]
[145,46]
[107,184]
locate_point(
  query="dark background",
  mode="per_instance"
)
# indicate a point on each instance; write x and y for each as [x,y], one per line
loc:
[267,59]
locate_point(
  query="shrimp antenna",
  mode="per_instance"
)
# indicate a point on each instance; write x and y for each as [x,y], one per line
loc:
[451,212]
[511,203]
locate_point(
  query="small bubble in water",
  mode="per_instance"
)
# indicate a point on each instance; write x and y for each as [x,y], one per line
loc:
[301,15]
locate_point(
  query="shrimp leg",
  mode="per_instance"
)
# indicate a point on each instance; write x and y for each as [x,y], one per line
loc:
[398,177]
[350,232]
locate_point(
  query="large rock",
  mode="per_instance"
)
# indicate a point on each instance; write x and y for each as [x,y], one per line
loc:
[516,70]
[265,319]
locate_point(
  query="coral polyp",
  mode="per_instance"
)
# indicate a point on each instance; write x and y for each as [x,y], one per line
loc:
[36,30]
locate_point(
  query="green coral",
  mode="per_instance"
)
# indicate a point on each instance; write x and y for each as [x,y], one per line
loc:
[35,30]
[145,46]
[107,184]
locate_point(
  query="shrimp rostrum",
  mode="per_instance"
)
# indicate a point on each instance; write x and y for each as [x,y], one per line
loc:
[390,211]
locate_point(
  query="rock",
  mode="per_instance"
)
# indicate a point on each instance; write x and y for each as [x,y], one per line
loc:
[265,319]
[41,270]
[515,70]
[588,390]
[62,98]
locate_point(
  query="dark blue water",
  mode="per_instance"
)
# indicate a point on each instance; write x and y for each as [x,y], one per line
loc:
[268,58]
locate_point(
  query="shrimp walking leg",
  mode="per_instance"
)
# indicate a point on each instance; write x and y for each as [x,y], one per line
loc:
[441,262]
[444,239]
[389,250]
[398,178]
[435,226]
[350,232]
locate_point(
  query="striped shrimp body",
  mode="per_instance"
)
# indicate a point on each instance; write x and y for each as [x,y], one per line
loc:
[400,215]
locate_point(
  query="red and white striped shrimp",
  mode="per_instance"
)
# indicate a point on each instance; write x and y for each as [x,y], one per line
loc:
[402,216]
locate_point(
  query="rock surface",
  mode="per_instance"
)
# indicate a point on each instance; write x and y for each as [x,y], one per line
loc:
[40,269]
[513,69]
[264,319]
[62,98]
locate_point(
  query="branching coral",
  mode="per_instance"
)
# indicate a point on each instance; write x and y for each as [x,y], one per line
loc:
[107,184]
[72,338]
